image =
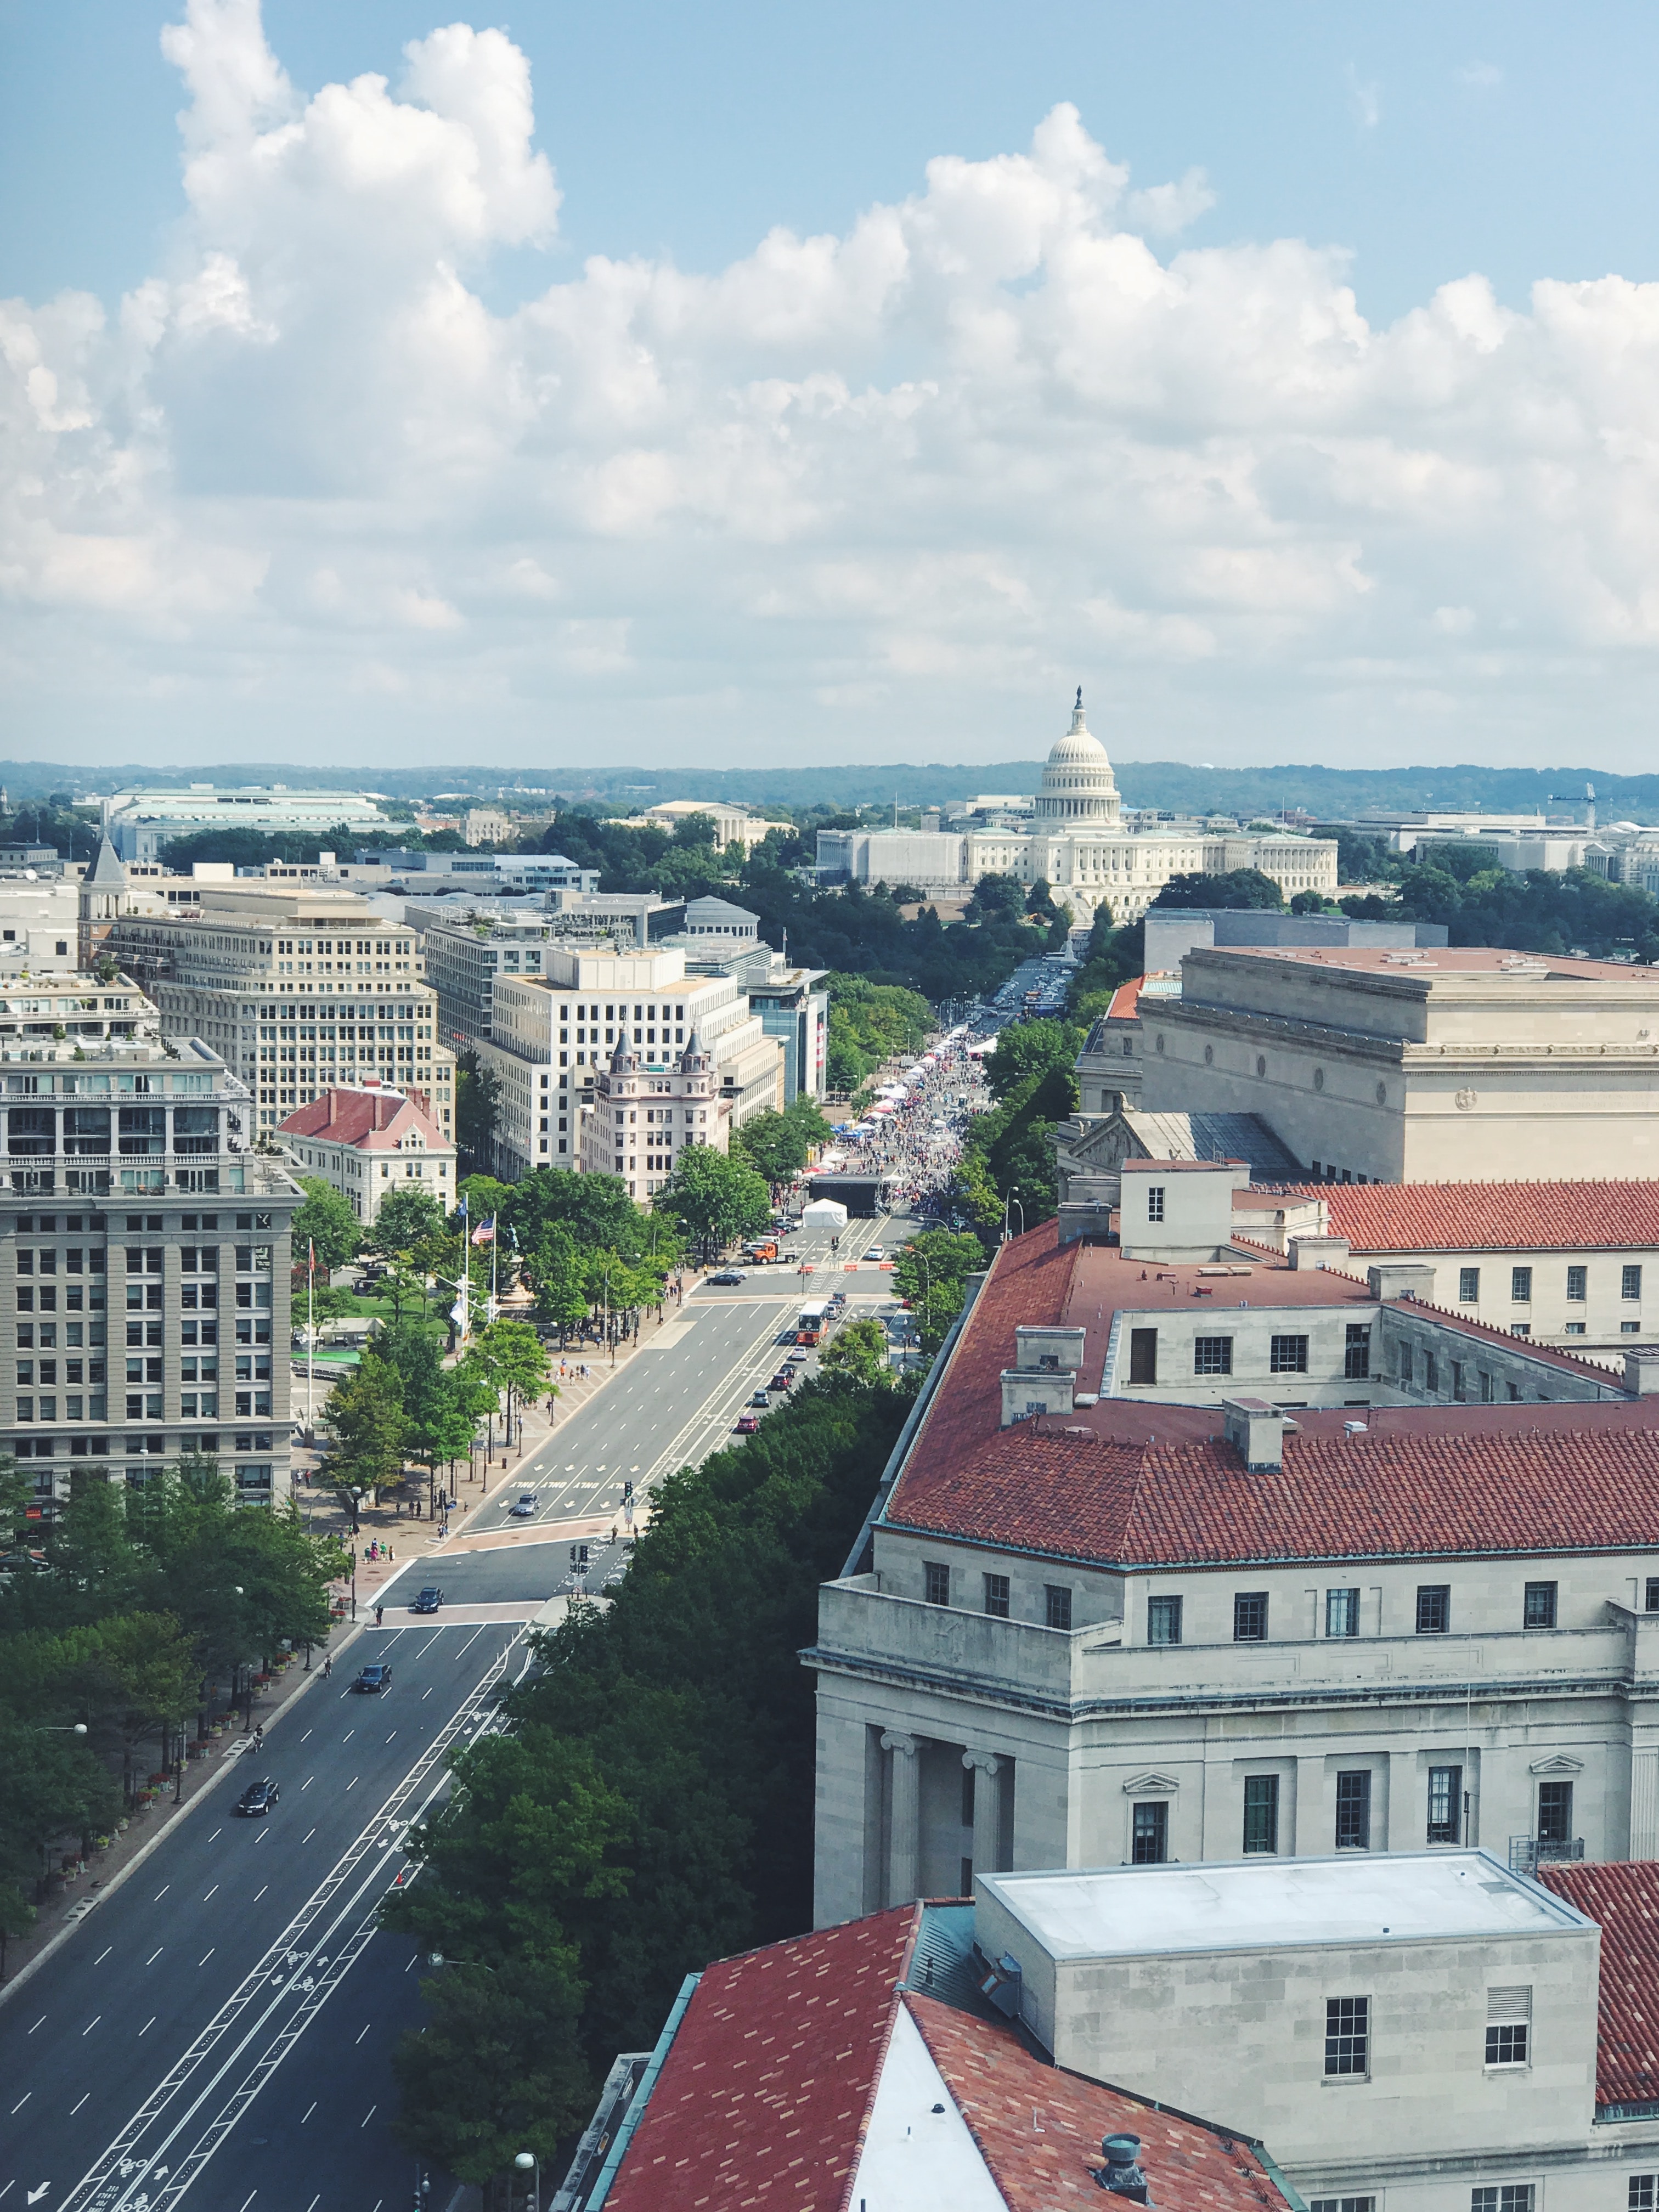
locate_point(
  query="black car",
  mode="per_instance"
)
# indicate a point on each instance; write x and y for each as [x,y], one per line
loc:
[728,1279]
[373,1679]
[428,1600]
[257,1797]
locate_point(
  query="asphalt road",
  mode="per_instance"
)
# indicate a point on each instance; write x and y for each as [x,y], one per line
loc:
[221,2024]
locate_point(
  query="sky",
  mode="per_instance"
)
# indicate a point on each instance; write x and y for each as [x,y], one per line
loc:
[729,384]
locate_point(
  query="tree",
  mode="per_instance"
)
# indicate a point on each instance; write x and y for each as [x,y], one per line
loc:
[513,1353]
[858,1349]
[410,1220]
[477,1111]
[1028,1048]
[364,1417]
[715,1198]
[1238,887]
[773,1146]
[327,1223]
[806,1115]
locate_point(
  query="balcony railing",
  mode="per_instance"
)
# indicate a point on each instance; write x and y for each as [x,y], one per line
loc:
[1528,1853]
[82,1180]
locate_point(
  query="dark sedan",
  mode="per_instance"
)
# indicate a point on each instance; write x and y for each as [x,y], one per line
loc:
[258,1798]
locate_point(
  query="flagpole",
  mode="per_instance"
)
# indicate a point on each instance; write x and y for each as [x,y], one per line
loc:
[311,1336]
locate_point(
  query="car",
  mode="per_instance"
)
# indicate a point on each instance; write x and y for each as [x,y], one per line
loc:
[836,1299]
[524,1505]
[747,1424]
[798,1359]
[258,1798]
[373,1681]
[426,1600]
[874,1252]
[728,1279]
[758,1398]
[783,1380]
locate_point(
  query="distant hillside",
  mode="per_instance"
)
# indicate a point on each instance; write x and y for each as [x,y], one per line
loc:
[1175,784]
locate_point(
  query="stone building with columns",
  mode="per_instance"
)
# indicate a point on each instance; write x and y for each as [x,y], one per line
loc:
[1197,1552]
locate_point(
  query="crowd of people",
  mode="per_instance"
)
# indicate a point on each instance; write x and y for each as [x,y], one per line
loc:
[911,1134]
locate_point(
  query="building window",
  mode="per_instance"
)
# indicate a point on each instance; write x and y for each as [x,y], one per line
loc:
[1539,1608]
[1506,2043]
[1575,1328]
[936,1583]
[1555,1813]
[1342,2204]
[1577,1286]
[1468,1286]
[1629,1329]
[1521,1285]
[1651,1600]
[1213,1355]
[1630,1282]
[1151,1843]
[1250,1617]
[1164,1619]
[1510,2196]
[1356,1352]
[1431,1374]
[1433,1608]
[1643,2193]
[1288,1355]
[1347,2035]
[1445,1804]
[1261,1813]
[1155,1202]
[996,1596]
[1405,1367]
[1342,1613]
[1143,1355]
[1353,1810]
[1057,1604]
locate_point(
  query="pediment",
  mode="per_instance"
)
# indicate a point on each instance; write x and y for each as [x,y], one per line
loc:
[1152,1785]
[1559,1762]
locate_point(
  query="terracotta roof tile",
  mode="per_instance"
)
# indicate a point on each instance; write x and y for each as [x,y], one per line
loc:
[768,2083]
[1625,1900]
[1039,2128]
[373,1119]
[1489,1217]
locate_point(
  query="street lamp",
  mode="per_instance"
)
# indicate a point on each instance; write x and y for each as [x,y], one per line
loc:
[63,1728]
[1011,1200]
[525,2161]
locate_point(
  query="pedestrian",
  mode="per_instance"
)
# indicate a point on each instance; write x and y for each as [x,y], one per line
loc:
[259,1736]
[379,1611]
[328,1664]
[390,1554]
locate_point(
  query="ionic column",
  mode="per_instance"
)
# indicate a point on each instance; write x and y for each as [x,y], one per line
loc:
[987,1807]
[904,1831]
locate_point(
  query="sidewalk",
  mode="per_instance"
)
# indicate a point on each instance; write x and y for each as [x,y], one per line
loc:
[73,1895]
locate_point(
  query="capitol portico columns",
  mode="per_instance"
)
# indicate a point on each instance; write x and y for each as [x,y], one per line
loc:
[987,1771]
[904,1831]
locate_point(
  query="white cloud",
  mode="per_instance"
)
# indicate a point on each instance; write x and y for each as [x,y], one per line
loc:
[910,480]
[1366,99]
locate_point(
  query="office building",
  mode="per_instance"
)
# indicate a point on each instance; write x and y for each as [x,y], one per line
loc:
[144,1251]
[1456,1065]
[299,989]
[646,1115]
[624,919]
[1077,843]
[734,825]
[140,824]
[1198,1551]
[367,1141]
[553,1035]
[466,949]
[485,874]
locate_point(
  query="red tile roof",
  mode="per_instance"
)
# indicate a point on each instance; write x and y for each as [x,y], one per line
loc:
[1625,1900]
[1142,1485]
[1039,2128]
[373,1119]
[1489,1217]
[766,2089]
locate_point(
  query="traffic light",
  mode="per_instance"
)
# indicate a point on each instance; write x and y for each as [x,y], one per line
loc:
[628,1493]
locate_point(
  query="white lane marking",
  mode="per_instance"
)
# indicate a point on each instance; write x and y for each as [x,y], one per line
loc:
[393,1733]
[21,2101]
[148,2024]
[90,2025]
[260,1892]
[361,2124]
[161,1893]
[426,1693]
[247,2200]
[74,2109]
[346,1737]
[207,1954]
[155,1954]
[38,2023]
[306,1784]
[367,2024]
[214,1836]
[309,2110]
[303,1738]
[308,1836]
[103,1954]
[213,1892]
[352,1785]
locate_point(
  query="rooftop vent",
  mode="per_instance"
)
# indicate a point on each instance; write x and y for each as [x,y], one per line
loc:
[1353,1428]
[1121,2173]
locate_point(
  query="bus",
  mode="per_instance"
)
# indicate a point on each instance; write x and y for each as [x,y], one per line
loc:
[814,1322]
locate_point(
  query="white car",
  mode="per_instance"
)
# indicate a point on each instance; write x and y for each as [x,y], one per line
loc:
[874,1252]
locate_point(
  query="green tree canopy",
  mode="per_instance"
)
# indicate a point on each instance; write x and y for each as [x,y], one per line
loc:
[365,1416]
[715,1198]
[408,1220]
[774,1145]
[1239,887]
[858,1349]
[1028,1048]
[327,1224]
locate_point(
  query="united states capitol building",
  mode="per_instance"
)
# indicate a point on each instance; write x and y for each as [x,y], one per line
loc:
[1076,840]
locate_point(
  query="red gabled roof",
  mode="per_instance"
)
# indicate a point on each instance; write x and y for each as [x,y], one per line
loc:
[1489,1217]
[765,2092]
[1039,2128]
[1624,1899]
[375,1120]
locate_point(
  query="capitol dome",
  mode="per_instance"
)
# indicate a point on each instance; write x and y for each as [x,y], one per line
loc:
[1079,792]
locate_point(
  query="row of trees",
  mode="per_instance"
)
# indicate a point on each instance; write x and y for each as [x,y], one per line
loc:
[652,1807]
[139,1603]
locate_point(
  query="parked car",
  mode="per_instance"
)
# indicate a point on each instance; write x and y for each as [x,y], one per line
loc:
[747,1424]
[524,1505]
[427,1601]
[372,1680]
[783,1380]
[258,1798]
[728,1279]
